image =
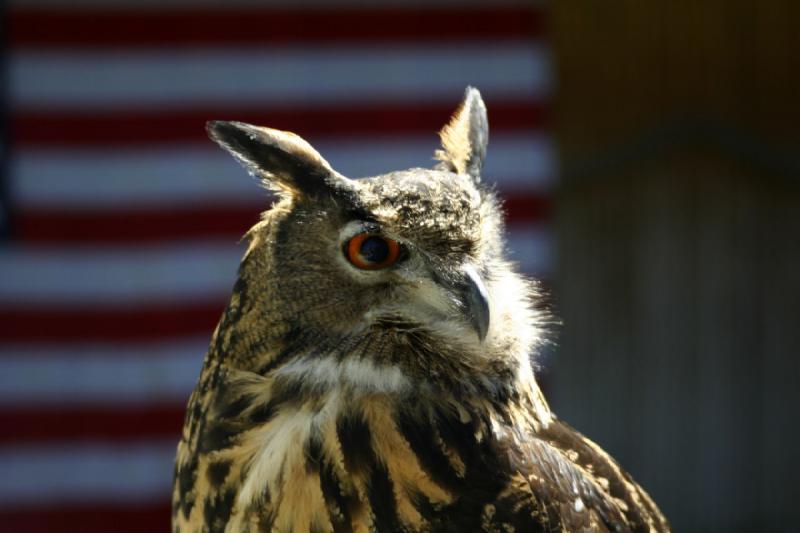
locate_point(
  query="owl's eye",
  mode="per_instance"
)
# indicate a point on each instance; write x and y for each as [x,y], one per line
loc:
[369,251]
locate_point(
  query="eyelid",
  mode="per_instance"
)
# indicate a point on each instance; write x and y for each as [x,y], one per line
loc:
[355,227]
[369,227]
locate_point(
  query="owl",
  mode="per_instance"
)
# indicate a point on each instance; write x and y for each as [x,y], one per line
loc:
[372,370]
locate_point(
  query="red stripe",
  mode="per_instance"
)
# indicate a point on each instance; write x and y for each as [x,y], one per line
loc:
[52,226]
[59,226]
[111,323]
[91,423]
[164,26]
[527,207]
[87,518]
[157,126]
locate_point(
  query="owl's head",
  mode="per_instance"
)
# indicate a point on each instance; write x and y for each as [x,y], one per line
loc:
[404,272]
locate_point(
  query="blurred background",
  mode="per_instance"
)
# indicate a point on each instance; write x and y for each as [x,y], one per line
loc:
[647,152]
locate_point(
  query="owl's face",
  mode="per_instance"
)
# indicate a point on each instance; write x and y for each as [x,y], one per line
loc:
[393,265]
[412,248]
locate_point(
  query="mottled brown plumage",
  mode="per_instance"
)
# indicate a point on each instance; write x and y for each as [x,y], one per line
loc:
[335,398]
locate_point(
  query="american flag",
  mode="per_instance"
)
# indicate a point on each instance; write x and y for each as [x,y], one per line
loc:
[123,219]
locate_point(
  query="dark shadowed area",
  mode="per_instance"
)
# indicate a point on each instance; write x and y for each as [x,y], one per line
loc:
[678,220]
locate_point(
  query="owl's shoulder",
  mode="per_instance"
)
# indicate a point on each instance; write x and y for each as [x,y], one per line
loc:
[560,480]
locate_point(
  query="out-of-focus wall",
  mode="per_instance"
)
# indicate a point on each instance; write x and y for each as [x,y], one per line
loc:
[679,250]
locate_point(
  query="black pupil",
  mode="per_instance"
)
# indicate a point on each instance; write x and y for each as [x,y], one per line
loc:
[374,250]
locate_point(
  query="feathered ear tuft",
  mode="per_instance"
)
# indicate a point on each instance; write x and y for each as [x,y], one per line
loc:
[465,137]
[282,160]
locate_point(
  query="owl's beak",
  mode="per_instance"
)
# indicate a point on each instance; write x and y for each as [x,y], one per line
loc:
[476,301]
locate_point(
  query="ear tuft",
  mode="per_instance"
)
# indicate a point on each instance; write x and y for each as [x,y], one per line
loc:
[465,137]
[283,160]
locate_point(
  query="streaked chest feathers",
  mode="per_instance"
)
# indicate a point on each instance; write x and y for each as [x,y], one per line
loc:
[359,452]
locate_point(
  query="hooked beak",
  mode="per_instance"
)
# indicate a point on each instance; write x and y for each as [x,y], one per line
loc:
[476,301]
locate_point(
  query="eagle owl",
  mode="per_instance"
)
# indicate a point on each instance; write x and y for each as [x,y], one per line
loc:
[372,371]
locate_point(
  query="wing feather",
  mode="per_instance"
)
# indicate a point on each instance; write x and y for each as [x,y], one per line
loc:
[572,484]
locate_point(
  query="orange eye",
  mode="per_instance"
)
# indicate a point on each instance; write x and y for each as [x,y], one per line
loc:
[372,252]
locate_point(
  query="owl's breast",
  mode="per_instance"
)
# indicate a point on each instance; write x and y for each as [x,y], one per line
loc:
[329,463]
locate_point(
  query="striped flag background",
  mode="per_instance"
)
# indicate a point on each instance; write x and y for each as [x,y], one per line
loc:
[124,219]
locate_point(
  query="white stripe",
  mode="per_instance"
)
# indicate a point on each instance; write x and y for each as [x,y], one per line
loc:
[92,473]
[532,247]
[243,76]
[186,174]
[168,273]
[107,374]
